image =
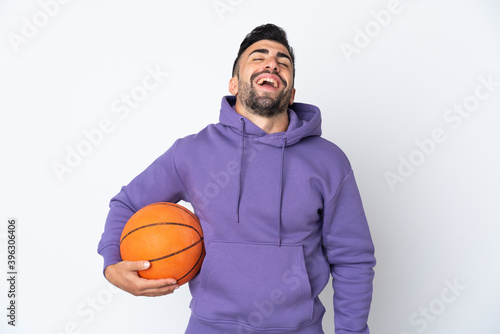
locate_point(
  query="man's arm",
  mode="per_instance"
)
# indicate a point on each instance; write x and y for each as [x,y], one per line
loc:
[350,251]
[158,183]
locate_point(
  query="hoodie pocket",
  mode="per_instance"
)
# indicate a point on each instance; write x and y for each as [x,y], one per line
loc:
[256,285]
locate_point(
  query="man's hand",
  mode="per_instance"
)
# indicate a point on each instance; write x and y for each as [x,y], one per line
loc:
[124,275]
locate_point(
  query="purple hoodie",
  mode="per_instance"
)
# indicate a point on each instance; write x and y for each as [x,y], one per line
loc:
[279,213]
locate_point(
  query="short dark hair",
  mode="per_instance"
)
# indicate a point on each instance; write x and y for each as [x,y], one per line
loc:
[266,31]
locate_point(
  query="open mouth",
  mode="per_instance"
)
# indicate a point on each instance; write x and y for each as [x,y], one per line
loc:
[267,81]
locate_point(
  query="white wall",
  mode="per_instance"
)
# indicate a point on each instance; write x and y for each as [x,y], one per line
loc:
[386,98]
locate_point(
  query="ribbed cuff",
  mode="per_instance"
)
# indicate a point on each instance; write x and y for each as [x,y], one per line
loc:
[111,255]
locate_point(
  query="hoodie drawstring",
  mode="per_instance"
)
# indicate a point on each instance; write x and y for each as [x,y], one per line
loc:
[281,189]
[242,120]
[282,167]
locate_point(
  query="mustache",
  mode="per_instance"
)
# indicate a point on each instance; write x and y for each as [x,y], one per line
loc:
[255,75]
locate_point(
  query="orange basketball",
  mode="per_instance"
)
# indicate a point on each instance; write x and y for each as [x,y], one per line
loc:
[167,235]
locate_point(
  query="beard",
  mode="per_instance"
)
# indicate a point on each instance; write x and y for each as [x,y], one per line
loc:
[263,105]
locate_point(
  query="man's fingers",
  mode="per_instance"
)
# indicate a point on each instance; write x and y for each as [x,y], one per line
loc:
[156,283]
[157,287]
[125,275]
[160,291]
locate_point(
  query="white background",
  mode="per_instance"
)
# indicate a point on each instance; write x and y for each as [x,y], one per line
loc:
[437,226]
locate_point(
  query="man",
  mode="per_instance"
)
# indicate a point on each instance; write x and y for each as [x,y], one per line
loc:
[278,204]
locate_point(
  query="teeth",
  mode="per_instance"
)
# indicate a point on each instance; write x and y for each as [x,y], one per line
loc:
[271,80]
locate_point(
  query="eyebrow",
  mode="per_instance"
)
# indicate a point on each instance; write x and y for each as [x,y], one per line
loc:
[266,51]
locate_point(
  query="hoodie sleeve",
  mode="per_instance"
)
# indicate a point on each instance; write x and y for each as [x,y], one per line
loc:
[158,183]
[350,251]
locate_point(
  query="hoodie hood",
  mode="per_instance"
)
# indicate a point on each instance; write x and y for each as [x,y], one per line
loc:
[304,121]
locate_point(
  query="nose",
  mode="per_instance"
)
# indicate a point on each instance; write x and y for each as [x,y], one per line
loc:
[272,64]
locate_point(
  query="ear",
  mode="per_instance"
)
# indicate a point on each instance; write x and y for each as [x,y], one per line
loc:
[292,96]
[233,85]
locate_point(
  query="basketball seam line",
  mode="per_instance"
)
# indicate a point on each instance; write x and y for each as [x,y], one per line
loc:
[178,252]
[196,264]
[156,224]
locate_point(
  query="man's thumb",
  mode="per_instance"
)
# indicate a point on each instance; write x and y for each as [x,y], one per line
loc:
[140,265]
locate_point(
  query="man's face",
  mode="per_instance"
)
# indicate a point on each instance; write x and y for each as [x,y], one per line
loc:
[264,82]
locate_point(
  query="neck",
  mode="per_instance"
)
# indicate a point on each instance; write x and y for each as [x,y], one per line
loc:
[278,123]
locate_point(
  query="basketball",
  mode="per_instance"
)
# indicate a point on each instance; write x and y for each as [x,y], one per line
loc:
[167,235]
